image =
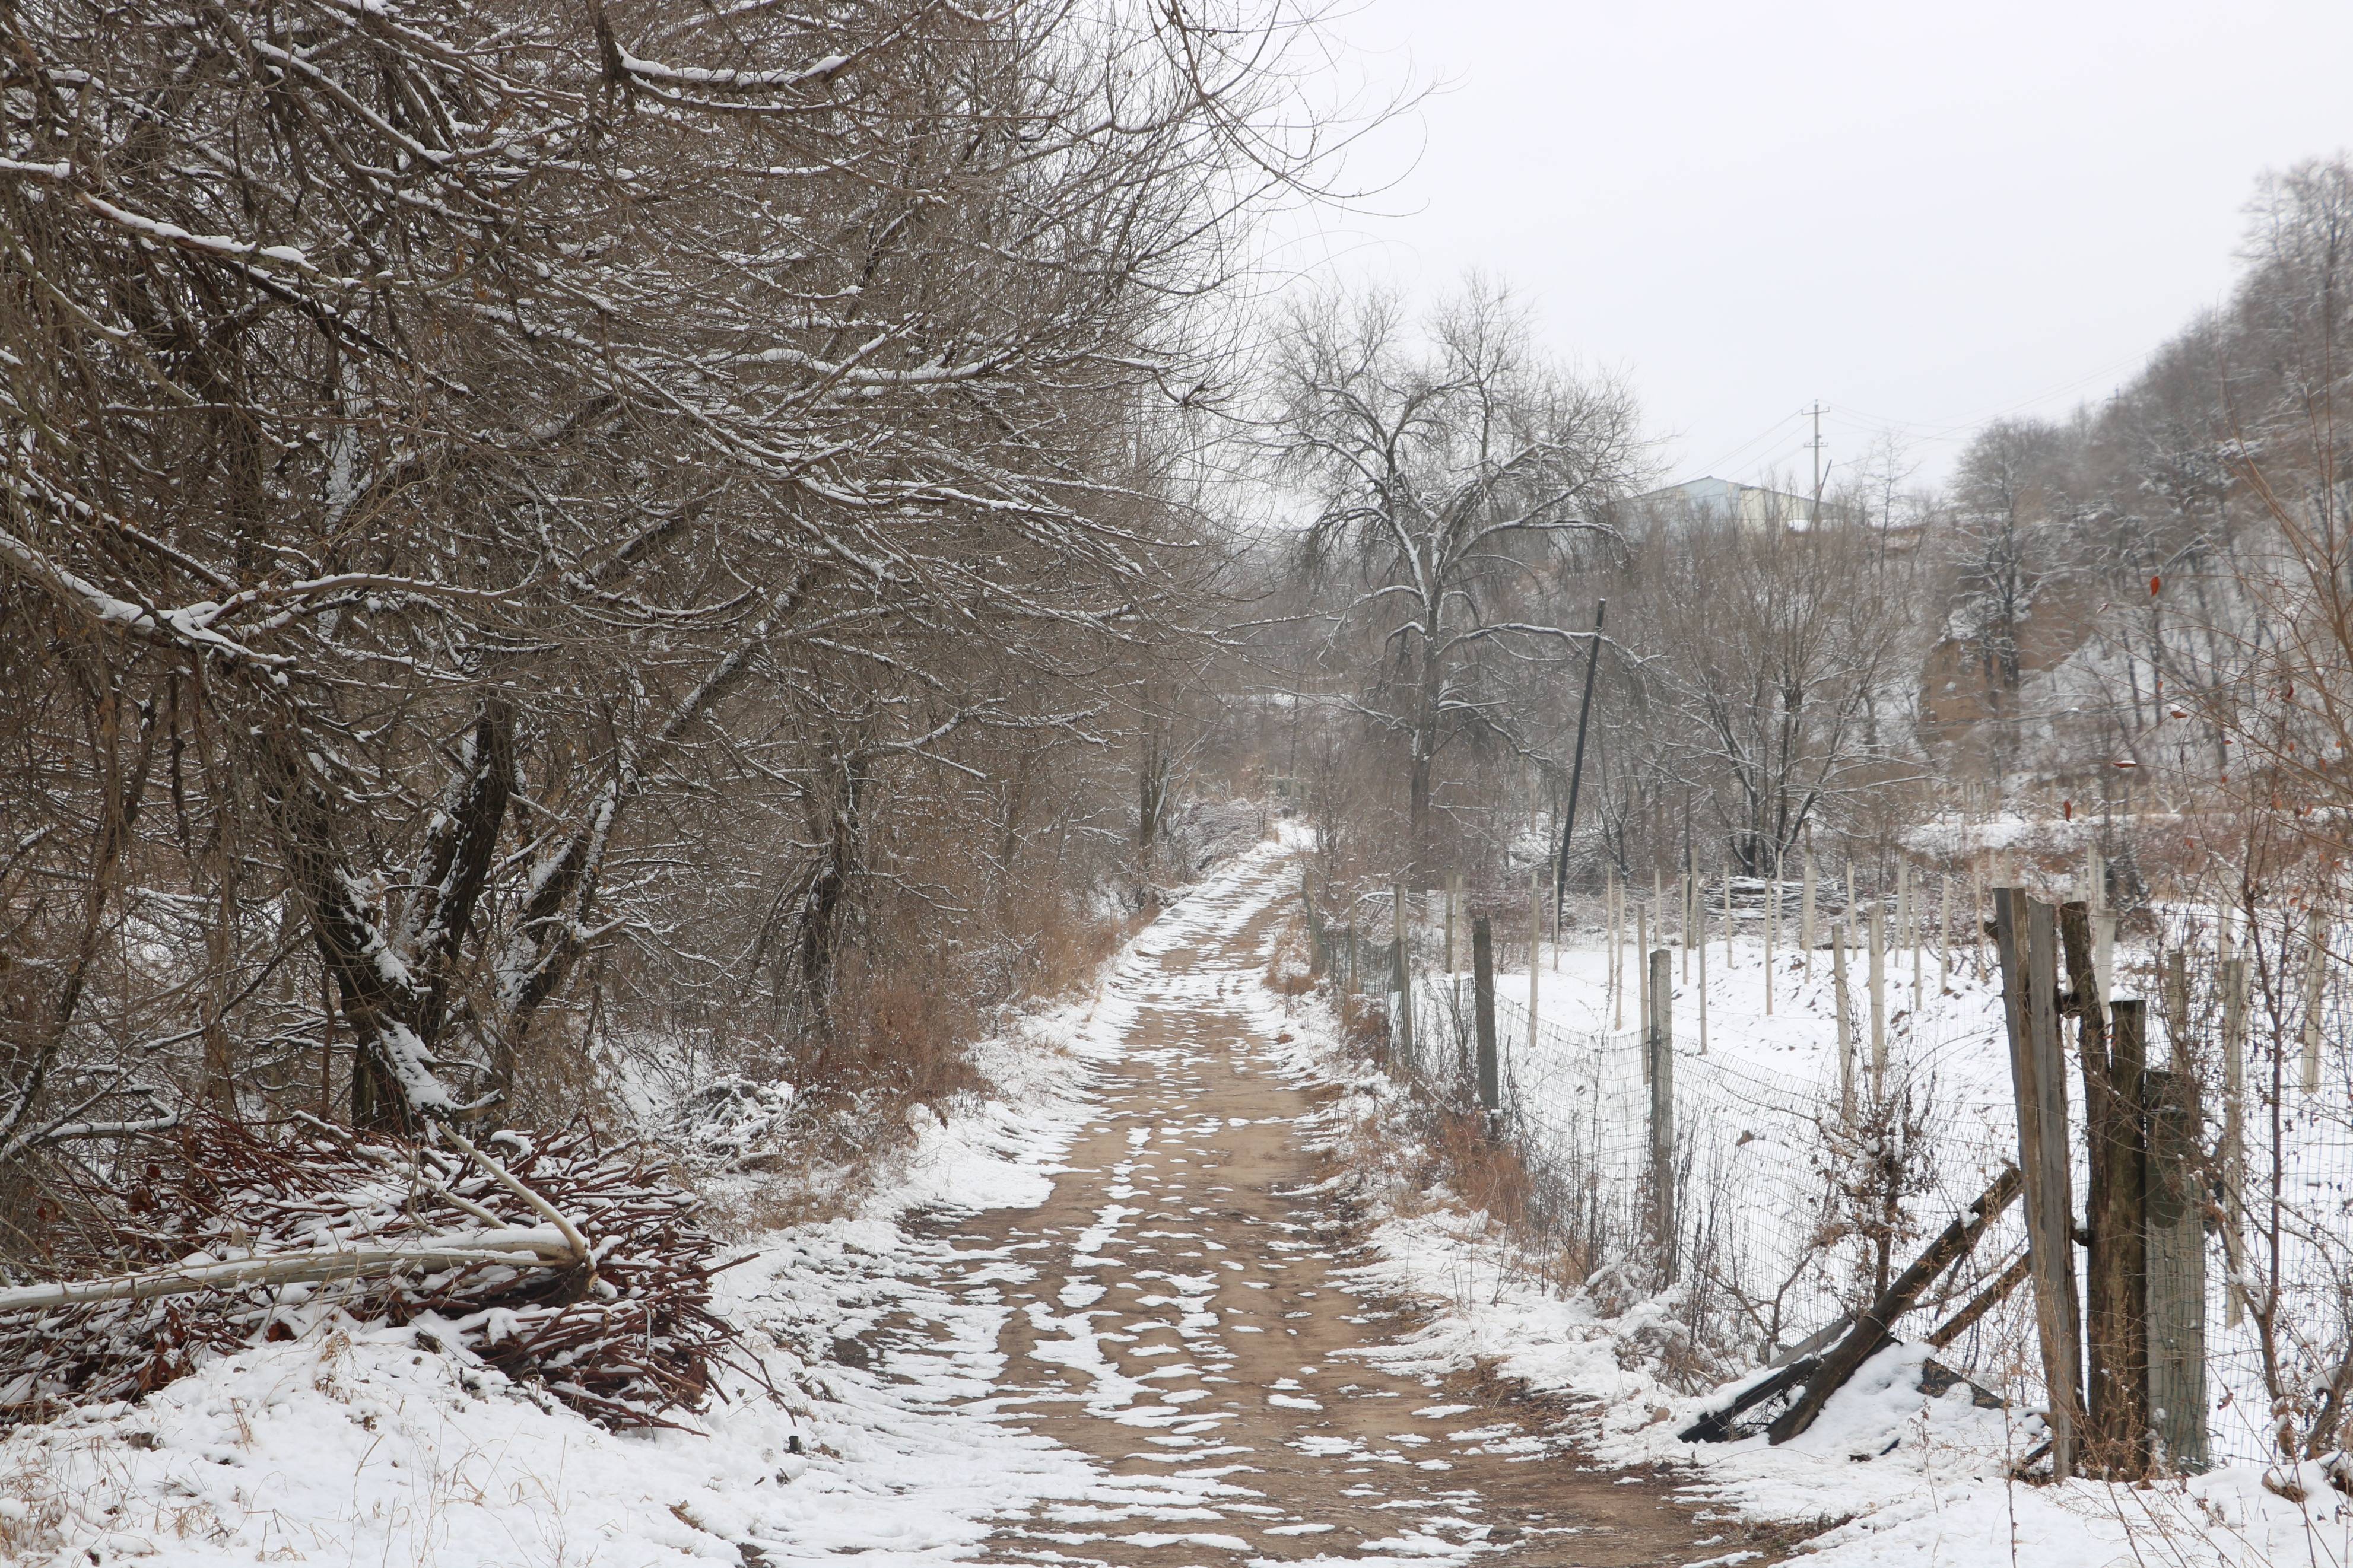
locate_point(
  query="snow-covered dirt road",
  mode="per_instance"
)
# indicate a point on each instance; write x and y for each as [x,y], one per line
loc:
[1183,1315]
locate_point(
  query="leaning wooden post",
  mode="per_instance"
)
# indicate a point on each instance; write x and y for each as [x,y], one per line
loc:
[1772,930]
[2026,940]
[1870,1332]
[1482,992]
[2176,1301]
[1663,1110]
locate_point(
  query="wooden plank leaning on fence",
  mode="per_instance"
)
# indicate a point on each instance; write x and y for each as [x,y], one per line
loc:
[1849,1344]
[2026,940]
[1873,1332]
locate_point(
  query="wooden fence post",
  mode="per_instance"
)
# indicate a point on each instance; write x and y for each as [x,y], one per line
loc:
[2115,1340]
[1727,918]
[1683,918]
[1483,1007]
[1617,955]
[2116,1210]
[1314,922]
[1702,998]
[2176,1302]
[1944,938]
[1536,945]
[1642,980]
[1662,1056]
[2234,1133]
[1402,922]
[2316,975]
[2026,940]
[1976,912]
[1806,915]
[1878,1007]
[1846,1021]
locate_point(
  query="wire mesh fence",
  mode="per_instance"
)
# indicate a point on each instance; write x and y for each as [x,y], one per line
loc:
[1783,1199]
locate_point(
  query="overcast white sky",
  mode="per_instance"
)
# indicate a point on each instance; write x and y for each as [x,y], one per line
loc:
[1923,215]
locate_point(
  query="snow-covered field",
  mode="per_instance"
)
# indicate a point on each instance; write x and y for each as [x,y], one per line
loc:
[1913,1479]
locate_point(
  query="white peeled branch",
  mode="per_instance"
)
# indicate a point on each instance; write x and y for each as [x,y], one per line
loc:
[517,1246]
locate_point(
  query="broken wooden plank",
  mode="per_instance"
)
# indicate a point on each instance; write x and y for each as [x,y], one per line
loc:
[1870,1331]
[1984,1301]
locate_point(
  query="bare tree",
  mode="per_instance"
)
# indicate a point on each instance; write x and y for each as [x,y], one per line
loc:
[1450,468]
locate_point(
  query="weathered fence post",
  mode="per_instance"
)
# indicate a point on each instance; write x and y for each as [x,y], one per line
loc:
[2026,940]
[2176,1301]
[1642,982]
[2316,975]
[1703,999]
[1878,1007]
[1482,1009]
[1728,917]
[1617,954]
[1314,922]
[1536,945]
[1805,913]
[1660,1055]
[1401,922]
[1846,1021]
[2234,1132]
[2115,1340]
[1976,912]
[1944,938]
[2116,1209]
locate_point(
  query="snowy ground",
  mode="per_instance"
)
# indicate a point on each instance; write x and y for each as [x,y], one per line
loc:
[1909,1480]
[887,1445]
[379,1446]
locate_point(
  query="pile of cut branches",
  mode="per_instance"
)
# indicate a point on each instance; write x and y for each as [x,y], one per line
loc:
[550,1258]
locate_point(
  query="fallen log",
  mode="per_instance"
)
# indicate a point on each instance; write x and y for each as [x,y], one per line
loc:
[516,1246]
[1871,1333]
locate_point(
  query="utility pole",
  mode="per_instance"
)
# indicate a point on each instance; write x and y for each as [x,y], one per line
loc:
[1577,768]
[1814,517]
